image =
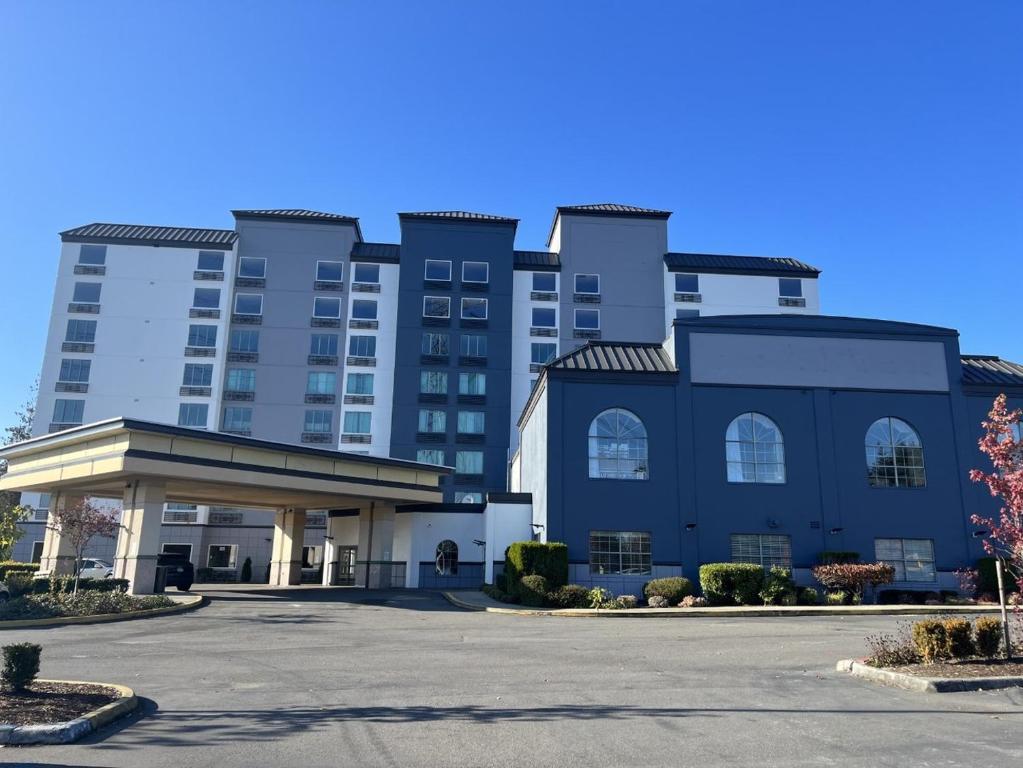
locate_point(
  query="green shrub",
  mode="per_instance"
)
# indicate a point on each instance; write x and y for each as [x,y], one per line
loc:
[536,558]
[247,570]
[498,594]
[931,640]
[625,602]
[959,638]
[835,598]
[731,583]
[778,585]
[671,588]
[89,603]
[533,590]
[987,638]
[21,665]
[601,598]
[833,556]
[987,578]
[13,566]
[19,582]
[66,585]
[571,596]
[501,582]
[808,596]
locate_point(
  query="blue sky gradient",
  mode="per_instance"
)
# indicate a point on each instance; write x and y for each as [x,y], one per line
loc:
[879,141]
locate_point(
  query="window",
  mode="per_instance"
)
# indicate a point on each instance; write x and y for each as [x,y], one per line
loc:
[360,384]
[471,422]
[357,422]
[618,446]
[197,375]
[82,331]
[768,550]
[241,380]
[541,354]
[321,383]
[587,319]
[436,306]
[438,270]
[895,455]
[620,552]
[68,411]
[250,266]
[75,371]
[93,255]
[330,271]
[754,450]
[430,456]
[211,261]
[364,310]
[222,556]
[433,382]
[326,307]
[318,421]
[323,344]
[472,383]
[237,419]
[432,421]
[685,314]
[913,559]
[473,346]
[469,462]
[475,272]
[205,298]
[435,344]
[248,304]
[37,551]
[362,346]
[544,317]
[192,415]
[312,556]
[587,283]
[447,558]
[468,497]
[545,282]
[202,335]
[474,309]
[244,341]
[687,283]
[366,273]
[87,293]
[791,287]
[184,550]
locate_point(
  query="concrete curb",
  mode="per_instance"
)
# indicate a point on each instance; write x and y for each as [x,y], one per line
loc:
[925,684]
[188,604]
[726,611]
[72,730]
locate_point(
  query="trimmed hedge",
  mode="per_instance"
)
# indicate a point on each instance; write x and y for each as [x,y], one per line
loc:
[21,665]
[571,596]
[731,583]
[671,588]
[987,636]
[13,566]
[536,558]
[533,590]
[66,585]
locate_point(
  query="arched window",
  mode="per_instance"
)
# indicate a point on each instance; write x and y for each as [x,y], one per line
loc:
[895,455]
[447,558]
[618,449]
[754,450]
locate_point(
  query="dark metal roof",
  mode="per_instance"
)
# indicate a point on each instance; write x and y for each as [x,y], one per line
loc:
[741,265]
[606,209]
[616,356]
[537,261]
[991,370]
[128,234]
[302,214]
[457,216]
[381,253]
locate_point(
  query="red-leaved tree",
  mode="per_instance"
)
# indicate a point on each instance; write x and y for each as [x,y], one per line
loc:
[80,523]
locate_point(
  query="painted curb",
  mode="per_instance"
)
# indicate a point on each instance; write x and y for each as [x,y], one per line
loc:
[189,604]
[72,730]
[727,611]
[925,684]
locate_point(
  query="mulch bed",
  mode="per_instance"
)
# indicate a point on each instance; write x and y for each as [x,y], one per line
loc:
[52,703]
[965,669]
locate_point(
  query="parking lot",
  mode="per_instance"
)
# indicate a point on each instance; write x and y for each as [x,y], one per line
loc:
[349,677]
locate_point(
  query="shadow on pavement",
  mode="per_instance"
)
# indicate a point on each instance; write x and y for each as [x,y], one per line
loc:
[409,599]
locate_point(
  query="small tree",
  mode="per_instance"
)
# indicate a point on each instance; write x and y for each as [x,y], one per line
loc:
[854,577]
[12,513]
[80,523]
[11,518]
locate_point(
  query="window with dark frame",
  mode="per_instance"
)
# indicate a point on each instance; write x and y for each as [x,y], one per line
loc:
[620,553]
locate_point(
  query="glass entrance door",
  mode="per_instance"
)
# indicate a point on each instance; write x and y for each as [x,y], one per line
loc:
[346,566]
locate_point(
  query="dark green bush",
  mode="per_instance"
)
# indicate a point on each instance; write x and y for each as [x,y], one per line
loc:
[21,665]
[571,596]
[247,570]
[959,638]
[66,585]
[13,566]
[731,583]
[987,578]
[833,556]
[89,603]
[671,588]
[808,596]
[498,594]
[931,640]
[536,558]
[779,588]
[987,637]
[533,590]
[19,582]
[501,582]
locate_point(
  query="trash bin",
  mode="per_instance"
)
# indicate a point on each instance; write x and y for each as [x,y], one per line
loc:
[160,582]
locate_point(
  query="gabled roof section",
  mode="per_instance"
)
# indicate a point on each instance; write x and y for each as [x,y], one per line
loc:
[991,370]
[537,261]
[616,357]
[606,209]
[299,214]
[460,216]
[140,234]
[379,253]
[738,265]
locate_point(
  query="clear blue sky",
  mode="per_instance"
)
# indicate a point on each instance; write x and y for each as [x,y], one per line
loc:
[881,141]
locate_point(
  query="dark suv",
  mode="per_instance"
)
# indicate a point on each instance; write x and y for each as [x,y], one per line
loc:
[180,572]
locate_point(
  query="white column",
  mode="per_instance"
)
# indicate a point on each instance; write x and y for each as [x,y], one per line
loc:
[286,554]
[329,553]
[58,555]
[138,540]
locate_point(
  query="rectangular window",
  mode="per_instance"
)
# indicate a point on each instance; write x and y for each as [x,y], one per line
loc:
[469,462]
[763,549]
[473,346]
[432,421]
[330,271]
[438,270]
[192,415]
[93,255]
[791,287]
[587,284]
[430,456]
[474,309]
[318,421]
[206,298]
[435,344]
[237,419]
[197,375]
[913,559]
[202,335]
[81,331]
[222,556]
[364,310]
[470,422]
[541,354]
[184,550]
[475,272]
[312,556]
[210,261]
[468,497]
[240,380]
[68,411]
[360,384]
[436,306]
[87,293]
[357,422]
[545,282]
[362,346]
[587,319]
[472,383]
[324,306]
[686,314]
[366,273]
[244,341]
[544,317]
[75,371]
[687,283]
[433,382]
[620,552]
[248,304]
[323,344]
[251,266]
[321,383]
